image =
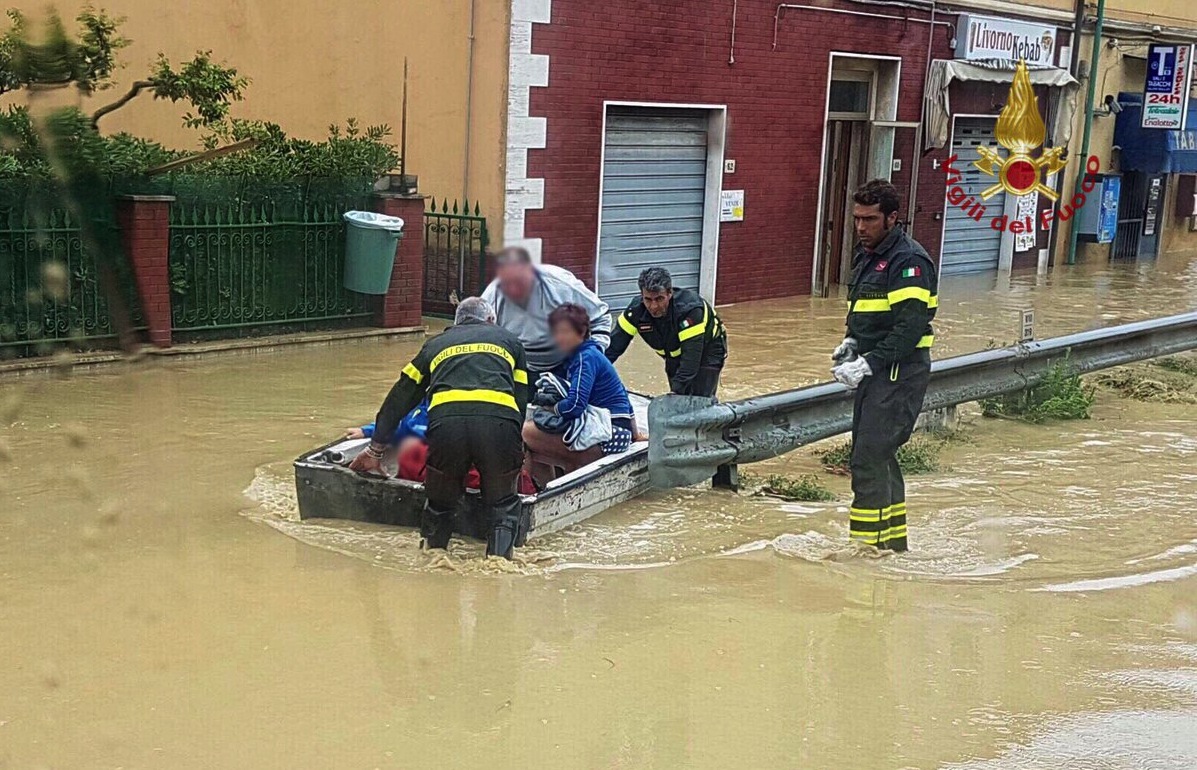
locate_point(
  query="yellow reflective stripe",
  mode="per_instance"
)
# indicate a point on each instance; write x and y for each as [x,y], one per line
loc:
[871,515]
[870,306]
[893,533]
[411,371]
[480,396]
[521,376]
[868,538]
[926,341]
[696,329]
[661,353]
[627,325]
[465,350]
[934,301]
[910,292]
[896,508]
[675,353]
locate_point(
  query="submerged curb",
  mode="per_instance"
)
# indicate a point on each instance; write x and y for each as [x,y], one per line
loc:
[64,361]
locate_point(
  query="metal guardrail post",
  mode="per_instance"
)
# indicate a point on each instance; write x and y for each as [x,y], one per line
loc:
[691,436]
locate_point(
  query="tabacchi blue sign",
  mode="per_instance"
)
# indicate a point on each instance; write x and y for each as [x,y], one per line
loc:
[1161,69]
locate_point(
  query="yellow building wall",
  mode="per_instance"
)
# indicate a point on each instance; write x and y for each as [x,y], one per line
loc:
[313,63]
[1166,13]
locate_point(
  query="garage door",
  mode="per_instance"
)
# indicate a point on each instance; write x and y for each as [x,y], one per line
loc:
[970,246]
[654,187]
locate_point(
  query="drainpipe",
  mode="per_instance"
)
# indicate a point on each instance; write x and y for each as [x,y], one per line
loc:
[1094,60]
[1074,60]
[469,108]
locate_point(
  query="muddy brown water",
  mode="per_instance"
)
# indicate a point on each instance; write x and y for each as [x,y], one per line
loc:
[161,606]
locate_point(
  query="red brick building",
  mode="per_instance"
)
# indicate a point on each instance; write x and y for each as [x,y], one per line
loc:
[719,138]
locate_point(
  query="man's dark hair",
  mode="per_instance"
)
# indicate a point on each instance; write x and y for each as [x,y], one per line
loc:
[513,255]
[878,192]
[655,280]
[574,315]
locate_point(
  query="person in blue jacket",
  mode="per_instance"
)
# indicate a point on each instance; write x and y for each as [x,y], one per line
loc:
[590,381]
[414,425]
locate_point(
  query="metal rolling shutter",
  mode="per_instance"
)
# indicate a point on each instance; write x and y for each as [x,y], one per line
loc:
[970,246]
[654,185]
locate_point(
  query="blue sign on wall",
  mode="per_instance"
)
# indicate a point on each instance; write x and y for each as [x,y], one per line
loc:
[1161,69]
[1107,219]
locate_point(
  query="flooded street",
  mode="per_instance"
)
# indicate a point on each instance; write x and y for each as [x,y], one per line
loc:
[163,607]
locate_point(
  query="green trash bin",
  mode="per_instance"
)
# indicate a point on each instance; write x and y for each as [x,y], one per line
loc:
[370,243]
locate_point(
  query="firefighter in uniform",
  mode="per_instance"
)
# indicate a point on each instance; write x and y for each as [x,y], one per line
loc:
[475,377]
[886,358]
[681,327]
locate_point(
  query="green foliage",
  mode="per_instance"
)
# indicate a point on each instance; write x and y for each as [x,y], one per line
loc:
[58,58]
[919,455]
[806,488]
[1061,395]
[67,136]
[66,144]
[209,87]
[837,456]
[348,153]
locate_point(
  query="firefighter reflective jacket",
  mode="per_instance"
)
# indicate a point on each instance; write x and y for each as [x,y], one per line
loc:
[472,369]
[689,336]
[892,300]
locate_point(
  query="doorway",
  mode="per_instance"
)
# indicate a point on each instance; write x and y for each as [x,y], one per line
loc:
[844,169]
[1140,211]
[858,145]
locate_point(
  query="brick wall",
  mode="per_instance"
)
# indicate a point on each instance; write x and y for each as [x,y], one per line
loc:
[402,305]
[145,234]
[678,52]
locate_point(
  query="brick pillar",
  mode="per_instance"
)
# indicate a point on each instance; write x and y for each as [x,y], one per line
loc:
[402,305]
[145,232]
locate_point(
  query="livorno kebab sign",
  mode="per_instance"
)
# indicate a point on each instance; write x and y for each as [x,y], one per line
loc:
[1024,169]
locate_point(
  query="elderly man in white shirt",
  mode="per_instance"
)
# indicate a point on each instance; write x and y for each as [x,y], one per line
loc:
[524,294]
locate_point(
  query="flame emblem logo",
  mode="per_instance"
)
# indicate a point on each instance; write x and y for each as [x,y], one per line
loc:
[1021,131]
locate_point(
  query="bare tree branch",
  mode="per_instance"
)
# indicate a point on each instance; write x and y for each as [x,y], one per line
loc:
[137,87]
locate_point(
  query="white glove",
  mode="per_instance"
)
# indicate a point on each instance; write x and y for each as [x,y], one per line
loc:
[846,351]
[850,373]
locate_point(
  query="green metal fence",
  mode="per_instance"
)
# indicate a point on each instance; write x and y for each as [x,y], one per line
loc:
[455,243]
[52,287]
[261,257]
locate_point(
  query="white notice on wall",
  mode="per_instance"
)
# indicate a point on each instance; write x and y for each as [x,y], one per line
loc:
[731,206]
[1025,212]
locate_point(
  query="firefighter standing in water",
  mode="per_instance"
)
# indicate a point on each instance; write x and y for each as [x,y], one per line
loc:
[475,376]
[886,359]
[681,327]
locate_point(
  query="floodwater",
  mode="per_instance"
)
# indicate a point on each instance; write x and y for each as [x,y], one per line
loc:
[161,606]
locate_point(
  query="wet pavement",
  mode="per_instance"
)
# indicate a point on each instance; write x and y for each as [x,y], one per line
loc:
[162,606]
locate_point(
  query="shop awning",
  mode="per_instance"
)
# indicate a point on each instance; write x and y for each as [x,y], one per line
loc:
[1152,150]
[944,71]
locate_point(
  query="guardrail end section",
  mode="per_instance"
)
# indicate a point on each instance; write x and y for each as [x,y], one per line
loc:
[681,448]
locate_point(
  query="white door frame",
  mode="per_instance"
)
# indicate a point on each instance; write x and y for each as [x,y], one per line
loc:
[716,141]
[816,263]
[1006,246]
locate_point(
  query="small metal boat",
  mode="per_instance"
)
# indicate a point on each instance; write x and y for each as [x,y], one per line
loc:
[327,489]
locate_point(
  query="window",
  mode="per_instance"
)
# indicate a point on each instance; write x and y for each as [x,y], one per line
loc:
[849,96]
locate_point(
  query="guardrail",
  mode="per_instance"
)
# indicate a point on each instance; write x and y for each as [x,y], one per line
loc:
[690,437]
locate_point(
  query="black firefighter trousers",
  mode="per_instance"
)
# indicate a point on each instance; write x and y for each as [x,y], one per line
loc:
[887,406]
[495,447]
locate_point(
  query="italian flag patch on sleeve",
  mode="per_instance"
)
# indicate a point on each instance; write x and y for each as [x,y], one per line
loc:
[912,272]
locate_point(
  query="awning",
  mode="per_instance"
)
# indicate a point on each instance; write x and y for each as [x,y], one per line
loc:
[944,71]
[1153,150]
